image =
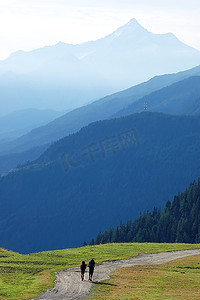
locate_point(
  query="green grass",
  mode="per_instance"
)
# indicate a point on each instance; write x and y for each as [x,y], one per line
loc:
[176,280]
[26,276]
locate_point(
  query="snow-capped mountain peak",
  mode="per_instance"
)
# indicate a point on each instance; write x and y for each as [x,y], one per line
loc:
[130,29]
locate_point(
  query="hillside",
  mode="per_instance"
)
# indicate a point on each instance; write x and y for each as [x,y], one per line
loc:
[180,98]
[105,108]
[21,122]
[91,180]
[23,277]
[10,161]
[177,223]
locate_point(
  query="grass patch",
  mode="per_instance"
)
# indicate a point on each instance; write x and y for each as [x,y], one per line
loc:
[170,281]
[26,276]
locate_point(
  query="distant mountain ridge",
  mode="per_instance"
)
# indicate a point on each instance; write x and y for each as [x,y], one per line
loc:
[21,122]
[180,98]
[66,76]
[107,107]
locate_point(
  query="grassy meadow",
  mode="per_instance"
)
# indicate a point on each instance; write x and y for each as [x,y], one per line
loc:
[26,276]
[176,280]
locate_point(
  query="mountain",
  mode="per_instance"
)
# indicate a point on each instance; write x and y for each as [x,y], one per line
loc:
[20,122]
[179,98]
[177,223]
[102,109]
[66,76]
[196,106]
[10,161]
[88,181]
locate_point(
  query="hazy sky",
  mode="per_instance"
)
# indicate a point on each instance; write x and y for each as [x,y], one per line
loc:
[30,24]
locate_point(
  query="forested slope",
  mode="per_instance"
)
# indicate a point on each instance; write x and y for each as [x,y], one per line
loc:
[179,222]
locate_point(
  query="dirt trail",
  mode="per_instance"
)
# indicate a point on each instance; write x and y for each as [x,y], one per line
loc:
[68,284]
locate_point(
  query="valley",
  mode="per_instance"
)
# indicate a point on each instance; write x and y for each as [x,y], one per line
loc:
[99,150]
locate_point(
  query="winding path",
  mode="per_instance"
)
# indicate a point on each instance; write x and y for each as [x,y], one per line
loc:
[68,284]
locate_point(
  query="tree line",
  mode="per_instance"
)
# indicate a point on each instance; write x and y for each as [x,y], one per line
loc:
[179,222]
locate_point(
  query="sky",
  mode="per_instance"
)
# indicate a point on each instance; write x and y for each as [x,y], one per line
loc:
[31,24]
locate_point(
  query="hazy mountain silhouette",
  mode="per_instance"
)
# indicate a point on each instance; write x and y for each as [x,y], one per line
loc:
[20,122]
[103,109]
[65,76]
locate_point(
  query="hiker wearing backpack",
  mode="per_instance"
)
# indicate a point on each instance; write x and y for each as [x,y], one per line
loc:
[83,268]
[91,266]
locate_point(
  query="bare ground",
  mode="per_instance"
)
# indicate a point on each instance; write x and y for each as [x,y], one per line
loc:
[68,284]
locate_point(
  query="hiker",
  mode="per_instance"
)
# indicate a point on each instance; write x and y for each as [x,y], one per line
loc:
[83,267]
[91,268]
